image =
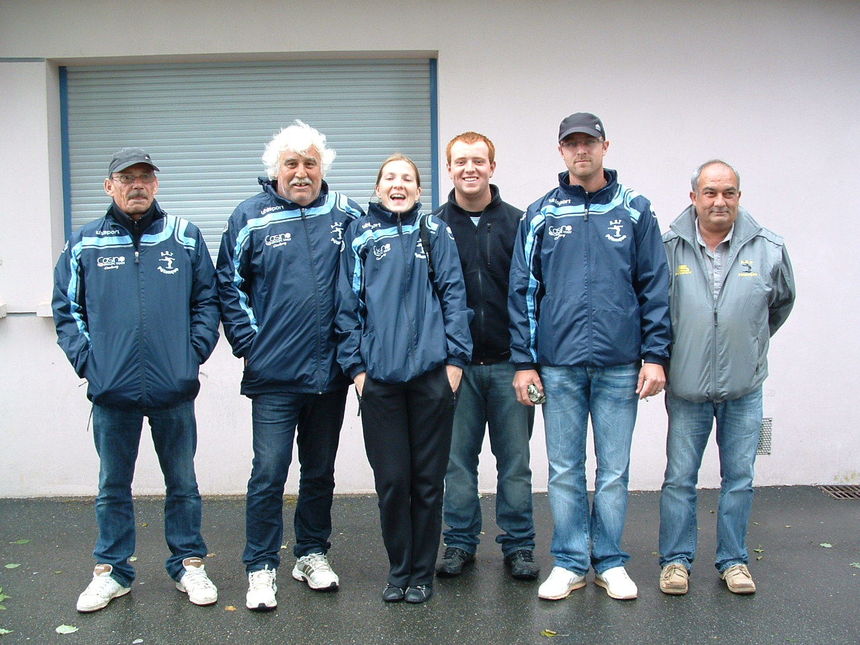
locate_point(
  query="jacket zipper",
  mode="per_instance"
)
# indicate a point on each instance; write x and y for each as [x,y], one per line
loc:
[588,280]
[405,289]
[315,277]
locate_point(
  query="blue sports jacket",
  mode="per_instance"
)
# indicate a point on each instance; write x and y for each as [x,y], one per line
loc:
[589,281]
[277,269]
[136,318]
[391,321]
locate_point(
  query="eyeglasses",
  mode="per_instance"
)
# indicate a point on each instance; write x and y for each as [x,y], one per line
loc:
[144,178]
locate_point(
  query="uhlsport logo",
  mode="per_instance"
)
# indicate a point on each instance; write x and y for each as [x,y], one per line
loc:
[419,251]
[337,233]
[558,232]
[616,226]
[278,239]
[380,252]
[167,258]
[110,262]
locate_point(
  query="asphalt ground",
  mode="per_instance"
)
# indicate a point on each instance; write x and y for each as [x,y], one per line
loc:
[806,549]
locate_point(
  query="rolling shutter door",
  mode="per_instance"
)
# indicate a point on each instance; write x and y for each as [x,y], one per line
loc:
[206,125]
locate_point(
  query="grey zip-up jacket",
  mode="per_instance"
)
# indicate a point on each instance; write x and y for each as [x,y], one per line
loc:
[719,350]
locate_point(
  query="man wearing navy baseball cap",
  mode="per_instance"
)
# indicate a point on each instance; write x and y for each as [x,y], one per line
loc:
[590,330]
[136,313]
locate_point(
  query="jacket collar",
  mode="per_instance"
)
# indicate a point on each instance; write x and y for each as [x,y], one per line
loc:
[745,226]
[377,210]
[270,187]
[139,226]
[604,195]
[495,200]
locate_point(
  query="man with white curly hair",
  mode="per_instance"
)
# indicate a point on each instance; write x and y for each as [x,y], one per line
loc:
[277,270]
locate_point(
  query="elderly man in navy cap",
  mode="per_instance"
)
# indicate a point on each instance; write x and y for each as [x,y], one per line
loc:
[590,330]
[136,312]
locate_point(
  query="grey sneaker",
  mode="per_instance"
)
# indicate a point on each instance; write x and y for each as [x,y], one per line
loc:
[261,590]
[101,590]
[314,569]
[196,583]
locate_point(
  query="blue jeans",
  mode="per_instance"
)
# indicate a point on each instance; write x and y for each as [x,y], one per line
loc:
[276,418]
[738,426]
[487,399]
[117,437]
[582,538]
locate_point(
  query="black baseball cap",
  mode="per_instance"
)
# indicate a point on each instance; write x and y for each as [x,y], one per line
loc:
[581,122]
[127,157]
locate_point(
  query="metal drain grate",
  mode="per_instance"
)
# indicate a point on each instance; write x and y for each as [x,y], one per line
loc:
[765,436]
[842,492]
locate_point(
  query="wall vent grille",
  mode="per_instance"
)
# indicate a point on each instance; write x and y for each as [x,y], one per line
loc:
[764,437]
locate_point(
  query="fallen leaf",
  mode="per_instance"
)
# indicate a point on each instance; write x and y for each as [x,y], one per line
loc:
[788,526]
[12,565]
[210,555]
[3,596]
[2,608]
[133,558]
[5,631]
[229,608]
[856,565]
[144,524]
[548,633]
[66,629]
[759,550]
[826,545]
[759,557]
[21,541]
[137,641]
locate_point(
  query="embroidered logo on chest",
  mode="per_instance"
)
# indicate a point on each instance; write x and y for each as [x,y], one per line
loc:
[616,231]
[166,263]
[278,239]
[558,232]
[381,251]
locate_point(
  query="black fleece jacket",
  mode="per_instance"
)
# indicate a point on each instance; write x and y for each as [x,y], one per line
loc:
[485,255]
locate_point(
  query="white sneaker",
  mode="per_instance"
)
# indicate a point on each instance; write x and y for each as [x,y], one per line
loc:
[560,584]
[196,583]
[262,590]
[617,583]
[314,569]
[101,590]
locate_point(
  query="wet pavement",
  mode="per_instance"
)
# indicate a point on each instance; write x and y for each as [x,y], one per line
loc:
[808,592]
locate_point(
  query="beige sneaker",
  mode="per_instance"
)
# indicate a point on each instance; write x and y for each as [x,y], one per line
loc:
[738,579]
[674,579]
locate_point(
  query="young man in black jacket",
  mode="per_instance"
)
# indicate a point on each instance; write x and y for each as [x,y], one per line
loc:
[485,228]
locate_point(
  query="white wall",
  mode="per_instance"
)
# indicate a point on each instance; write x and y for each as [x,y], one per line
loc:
[770,86]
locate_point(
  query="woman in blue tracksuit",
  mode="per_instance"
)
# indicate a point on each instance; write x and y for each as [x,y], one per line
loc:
[403,334]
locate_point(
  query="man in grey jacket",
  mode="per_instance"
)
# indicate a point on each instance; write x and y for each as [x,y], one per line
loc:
[731,288]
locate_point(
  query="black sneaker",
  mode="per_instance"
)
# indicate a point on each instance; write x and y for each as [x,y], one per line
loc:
[522,565]
[453,562]
[418,593]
